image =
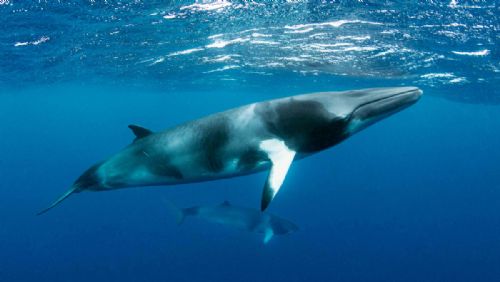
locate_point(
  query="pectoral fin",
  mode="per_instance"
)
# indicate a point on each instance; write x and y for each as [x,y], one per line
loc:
[268,235]
[281,158]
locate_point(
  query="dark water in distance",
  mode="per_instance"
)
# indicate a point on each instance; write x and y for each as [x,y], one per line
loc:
[413,198]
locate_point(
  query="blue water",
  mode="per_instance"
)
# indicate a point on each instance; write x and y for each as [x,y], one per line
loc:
[415,197]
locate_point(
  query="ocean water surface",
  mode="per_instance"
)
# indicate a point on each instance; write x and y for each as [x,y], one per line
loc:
[415,197]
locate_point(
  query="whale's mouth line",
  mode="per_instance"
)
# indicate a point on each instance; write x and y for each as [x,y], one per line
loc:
[388,97]
[415,91]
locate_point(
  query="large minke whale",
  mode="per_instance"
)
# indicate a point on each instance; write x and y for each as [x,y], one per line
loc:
[260,136]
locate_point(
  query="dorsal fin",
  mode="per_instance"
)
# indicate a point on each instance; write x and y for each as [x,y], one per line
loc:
[225,203]
[140,132]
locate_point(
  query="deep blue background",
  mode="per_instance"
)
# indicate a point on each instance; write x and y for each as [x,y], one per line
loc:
[413,198]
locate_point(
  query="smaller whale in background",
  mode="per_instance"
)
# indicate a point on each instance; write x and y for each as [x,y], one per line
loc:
[242,218]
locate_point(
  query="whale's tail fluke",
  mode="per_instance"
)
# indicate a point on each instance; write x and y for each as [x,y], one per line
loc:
[59,200]
[180,215]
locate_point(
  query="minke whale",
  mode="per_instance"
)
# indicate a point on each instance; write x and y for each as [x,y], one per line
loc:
[239,217]
[267,135]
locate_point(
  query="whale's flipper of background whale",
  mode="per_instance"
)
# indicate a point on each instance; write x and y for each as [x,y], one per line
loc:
[59,200]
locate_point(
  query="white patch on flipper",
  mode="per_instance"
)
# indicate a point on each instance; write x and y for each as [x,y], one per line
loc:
[268,235]
[281,158]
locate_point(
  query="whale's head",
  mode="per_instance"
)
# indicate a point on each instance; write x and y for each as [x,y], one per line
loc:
[359,109]
[313,122]
[371,106]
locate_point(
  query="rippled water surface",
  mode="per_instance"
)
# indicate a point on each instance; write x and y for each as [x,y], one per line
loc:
[450,47]
[413,198]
